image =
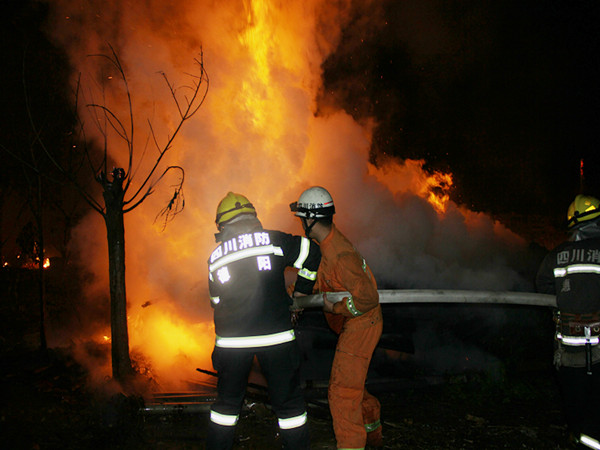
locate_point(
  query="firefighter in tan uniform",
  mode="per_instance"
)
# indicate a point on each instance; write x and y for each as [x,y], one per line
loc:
[356,319]
[572,273]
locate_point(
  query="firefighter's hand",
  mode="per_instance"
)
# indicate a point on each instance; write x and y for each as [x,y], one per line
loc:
[295,310]
[327,305]
[295,316]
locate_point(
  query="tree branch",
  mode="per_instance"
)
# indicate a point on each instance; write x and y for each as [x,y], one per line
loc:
[193,105]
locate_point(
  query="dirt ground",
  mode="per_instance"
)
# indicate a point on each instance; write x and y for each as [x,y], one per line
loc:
[47,404]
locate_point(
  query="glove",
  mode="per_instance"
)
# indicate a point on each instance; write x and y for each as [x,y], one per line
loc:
[295,310]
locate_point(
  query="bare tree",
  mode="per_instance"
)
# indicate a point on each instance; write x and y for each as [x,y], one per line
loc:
[25,178]
[120,193]
[36,200]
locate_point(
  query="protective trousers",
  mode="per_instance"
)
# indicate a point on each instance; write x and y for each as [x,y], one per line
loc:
[353,409]
[580,394]
[280,365]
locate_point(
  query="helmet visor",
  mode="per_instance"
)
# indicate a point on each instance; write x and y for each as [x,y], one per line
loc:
[312,213]
[299,210]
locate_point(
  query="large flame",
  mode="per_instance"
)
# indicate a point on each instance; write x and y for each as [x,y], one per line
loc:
[256,134]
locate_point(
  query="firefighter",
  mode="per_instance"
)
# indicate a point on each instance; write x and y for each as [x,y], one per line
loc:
[252,318]
[572,273]
[356,319]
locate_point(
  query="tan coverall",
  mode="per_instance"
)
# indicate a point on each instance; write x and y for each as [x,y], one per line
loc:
[358,321]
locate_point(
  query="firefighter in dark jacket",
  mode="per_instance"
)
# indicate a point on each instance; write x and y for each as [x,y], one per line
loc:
[572,273]
[252,318]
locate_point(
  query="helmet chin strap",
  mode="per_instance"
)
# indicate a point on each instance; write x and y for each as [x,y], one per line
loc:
[307,227]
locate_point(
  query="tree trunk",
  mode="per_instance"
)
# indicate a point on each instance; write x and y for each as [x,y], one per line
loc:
[1,222]
[42,293]
[41,255]
[113,198]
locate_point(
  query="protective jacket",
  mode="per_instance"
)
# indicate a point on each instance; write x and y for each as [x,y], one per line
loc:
[572,272]
[344,269]
[247,284]
[358,321]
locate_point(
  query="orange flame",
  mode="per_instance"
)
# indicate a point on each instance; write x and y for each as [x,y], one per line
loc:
[409,176]
[437,187]
[171,340]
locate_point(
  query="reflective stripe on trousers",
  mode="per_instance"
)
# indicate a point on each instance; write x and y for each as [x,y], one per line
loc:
[372,426]
[292,422]
[589,441]
[227,420]
[231,420]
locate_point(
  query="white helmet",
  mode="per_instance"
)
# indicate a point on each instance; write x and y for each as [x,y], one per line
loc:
[314,203]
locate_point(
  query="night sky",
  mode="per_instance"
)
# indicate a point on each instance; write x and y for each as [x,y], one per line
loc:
[502,94]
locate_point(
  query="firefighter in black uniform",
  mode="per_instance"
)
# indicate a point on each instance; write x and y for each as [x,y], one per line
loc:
[252,317]
[572,273]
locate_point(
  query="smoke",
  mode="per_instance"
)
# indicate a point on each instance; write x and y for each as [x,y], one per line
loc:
[258,133]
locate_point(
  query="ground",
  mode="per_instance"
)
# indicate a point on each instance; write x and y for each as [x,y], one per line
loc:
[496,389]
[48,404]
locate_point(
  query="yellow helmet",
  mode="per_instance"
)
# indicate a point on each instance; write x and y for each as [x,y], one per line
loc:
[231,207]
[582,209]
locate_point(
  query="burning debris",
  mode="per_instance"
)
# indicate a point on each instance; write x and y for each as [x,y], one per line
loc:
[28,263]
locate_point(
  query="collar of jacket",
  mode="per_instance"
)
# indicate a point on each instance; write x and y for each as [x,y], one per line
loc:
[248,225]
[586,231]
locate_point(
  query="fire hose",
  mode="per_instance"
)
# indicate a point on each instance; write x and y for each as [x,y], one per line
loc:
[396,296]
